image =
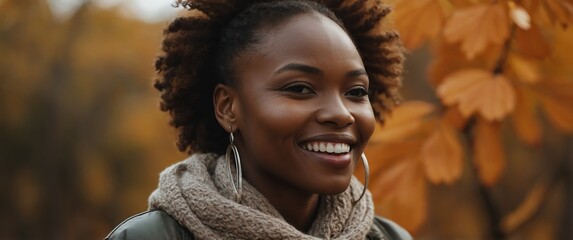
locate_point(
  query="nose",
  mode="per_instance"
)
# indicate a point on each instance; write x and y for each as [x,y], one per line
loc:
[335,113]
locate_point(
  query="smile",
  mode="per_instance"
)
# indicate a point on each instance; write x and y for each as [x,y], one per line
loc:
[327,147]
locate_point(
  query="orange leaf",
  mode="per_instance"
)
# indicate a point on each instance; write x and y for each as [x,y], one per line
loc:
[525,120]
[489,156]
[382,155]
[418,21]
[531,42]
[450,58]
[556,97]
[404,121]
[559,11]
[526,71]
[561,57]
[476,27]
[442,156]
[477,90]
[526,209]
[401,195]
[558,88]
[560,113]
[454,118]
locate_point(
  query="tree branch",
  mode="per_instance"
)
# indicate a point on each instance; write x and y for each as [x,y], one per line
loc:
[495,231]
[502,59]
[567,171]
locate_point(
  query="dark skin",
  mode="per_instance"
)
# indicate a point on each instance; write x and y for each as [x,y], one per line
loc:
[300,114]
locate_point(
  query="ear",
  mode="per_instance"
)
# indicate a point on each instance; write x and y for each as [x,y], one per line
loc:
[225,104]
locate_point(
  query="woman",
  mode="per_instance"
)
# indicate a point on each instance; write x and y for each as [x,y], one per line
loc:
[276,100]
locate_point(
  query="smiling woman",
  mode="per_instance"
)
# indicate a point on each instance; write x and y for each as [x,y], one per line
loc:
[276,101]
[298,89]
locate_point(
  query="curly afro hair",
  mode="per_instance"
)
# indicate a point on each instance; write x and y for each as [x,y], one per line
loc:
[198,50]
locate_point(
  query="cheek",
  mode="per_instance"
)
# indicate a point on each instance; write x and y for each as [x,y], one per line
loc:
[279,119]
[366,122]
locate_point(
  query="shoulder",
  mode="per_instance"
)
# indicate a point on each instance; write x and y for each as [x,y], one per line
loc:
[386,227]
[152,224]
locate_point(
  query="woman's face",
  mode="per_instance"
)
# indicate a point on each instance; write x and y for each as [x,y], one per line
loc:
[303,116]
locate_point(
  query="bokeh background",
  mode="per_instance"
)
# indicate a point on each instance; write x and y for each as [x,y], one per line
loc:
[82,140]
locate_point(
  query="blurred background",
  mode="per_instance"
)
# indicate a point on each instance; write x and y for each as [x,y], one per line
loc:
[82,140]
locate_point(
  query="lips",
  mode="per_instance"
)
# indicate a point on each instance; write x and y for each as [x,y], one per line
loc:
[332,150]
[331,143]
[327,147]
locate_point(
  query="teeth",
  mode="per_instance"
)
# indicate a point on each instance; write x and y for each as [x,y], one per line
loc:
[327,147]
[338,148]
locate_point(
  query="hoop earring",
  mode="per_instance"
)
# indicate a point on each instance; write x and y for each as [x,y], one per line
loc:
[239,173]
[367,173]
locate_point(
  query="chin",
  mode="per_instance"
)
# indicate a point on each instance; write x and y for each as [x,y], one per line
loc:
[334,187]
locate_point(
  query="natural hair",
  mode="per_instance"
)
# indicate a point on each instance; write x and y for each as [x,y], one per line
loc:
[198,51]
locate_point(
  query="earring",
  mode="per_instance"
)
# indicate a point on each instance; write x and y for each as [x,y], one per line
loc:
[367,173]
[239,173]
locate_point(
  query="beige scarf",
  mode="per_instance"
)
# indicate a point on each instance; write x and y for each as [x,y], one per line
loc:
[198,193]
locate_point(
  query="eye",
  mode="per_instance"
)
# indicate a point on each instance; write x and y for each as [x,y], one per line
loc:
[357,92]
[299,89]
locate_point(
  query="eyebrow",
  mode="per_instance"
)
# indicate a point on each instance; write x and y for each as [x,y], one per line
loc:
[301,68]
[316,71]
[356,73]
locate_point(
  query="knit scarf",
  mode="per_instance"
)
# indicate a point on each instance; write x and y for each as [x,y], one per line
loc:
[198,193]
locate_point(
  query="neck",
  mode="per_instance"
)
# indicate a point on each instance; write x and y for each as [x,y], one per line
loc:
[299,211]
[297,208]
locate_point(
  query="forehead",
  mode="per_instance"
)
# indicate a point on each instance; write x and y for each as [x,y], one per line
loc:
[309,30]
[310,39]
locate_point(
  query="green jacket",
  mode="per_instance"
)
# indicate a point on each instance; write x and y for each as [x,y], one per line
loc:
[158,225]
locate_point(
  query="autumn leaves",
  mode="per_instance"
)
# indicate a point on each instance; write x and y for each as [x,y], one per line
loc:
[476,27]
[477,91]
[492,63]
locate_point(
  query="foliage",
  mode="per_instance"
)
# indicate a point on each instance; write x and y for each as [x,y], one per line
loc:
[82,139]
[81,133]
[495,63]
